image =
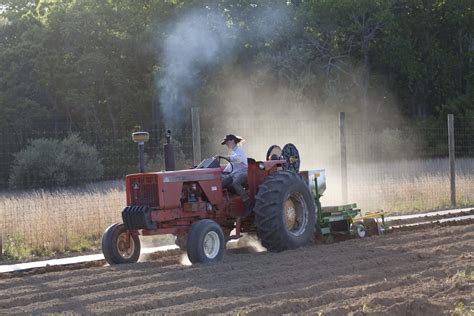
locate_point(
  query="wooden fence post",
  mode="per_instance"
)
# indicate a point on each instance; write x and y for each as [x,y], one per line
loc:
[452,159]
[342,137]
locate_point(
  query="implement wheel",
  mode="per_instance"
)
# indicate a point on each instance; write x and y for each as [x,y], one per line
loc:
[284,212]
[119,246]
[359,230]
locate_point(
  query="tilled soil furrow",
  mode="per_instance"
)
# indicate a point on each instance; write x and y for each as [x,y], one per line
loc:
[400,300]
[235,291]
[293,286]
[317,293]
[114,295]
[422,234]
[114,284]
[285,293]
[393,244]
[435,282]
[117,284]
[401,273]
[432,218]
[113,281]
[282,302]
[284,264]
[91,272]
[303,303]
[61,283]
[131,298]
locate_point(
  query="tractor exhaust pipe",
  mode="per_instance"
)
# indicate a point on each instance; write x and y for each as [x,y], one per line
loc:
[169,153]
[140,138]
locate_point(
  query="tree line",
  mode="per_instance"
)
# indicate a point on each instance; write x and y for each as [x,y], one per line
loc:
[90,68]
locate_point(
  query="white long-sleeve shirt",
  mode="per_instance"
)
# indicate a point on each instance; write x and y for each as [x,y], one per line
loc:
[239,161]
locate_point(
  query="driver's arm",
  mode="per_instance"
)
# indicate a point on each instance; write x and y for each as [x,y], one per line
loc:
[237,156]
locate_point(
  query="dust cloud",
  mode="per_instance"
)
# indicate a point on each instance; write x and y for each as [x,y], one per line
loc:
[277,115]
[266,111]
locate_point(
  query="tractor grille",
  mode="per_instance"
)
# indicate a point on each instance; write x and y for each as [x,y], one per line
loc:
[144,190]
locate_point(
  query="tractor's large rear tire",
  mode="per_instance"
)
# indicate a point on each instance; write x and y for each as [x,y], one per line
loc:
[284,212]
[206,243]
[119,246]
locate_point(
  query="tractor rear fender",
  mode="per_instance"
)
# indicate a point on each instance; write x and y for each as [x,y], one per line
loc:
[258,171]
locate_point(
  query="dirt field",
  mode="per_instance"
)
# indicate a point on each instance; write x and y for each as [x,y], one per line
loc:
[419,272]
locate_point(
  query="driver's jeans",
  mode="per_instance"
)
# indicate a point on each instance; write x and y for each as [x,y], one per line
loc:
[236,182]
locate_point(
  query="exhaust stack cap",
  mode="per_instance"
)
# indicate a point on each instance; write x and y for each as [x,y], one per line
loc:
[168,136]
[140,137]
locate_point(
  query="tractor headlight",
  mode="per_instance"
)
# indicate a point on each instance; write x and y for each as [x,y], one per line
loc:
[261,166]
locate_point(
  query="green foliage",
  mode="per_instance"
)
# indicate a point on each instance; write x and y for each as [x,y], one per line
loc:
[50,163]
[462,275]
[89,66]
[15,248]
[459,309]
[80,243]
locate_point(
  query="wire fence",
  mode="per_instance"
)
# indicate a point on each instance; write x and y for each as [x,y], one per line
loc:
[393,170]
[398,170]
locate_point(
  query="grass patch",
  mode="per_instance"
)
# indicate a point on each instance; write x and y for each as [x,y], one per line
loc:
[460,309]
[365,308]
[463,275]
[81,243]
[17,249]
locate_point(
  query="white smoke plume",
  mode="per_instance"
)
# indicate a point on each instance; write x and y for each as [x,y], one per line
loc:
[198,40]
[202,39]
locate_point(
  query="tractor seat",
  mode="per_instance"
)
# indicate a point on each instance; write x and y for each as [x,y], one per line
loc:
[245,185]
[231,190]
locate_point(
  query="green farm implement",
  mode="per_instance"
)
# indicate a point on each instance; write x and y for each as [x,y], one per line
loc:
[342,221]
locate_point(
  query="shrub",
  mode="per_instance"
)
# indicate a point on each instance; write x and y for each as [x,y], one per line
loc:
[50,163]
[15,248]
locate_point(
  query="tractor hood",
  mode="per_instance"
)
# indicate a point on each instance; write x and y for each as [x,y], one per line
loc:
[163,189]
[187,175]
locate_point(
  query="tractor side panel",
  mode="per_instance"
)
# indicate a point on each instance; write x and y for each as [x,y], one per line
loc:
[171,184]
[235,206]
[212,190]
[171,195]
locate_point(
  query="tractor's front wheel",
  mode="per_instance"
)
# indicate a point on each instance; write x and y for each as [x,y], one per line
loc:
[119,245]
[205,242]
[284,212]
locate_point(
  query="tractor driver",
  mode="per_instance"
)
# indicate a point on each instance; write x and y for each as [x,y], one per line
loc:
[237,178]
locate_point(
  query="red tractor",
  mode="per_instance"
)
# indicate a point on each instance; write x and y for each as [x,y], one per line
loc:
[192,205]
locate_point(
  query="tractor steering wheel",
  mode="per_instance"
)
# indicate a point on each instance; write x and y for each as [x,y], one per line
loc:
[230,163]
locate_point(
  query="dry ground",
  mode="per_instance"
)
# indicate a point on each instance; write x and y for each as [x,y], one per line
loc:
[419,272]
